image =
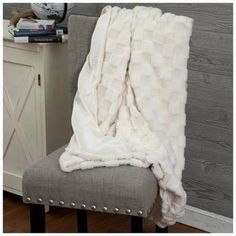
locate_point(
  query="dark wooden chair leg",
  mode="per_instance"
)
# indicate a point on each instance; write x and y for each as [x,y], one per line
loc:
[82,221]
[161,230]
[136,224]
[37,218]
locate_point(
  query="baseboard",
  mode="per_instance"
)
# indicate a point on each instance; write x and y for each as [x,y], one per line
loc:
[207,221]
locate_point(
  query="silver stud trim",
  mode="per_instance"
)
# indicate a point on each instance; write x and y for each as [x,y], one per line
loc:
[128,211]
[61,203]
[140,212]
[72,204]
[105,208]
[39,200]
[50,201]
[94,207]
[28,199]
[116,209]
[83,206]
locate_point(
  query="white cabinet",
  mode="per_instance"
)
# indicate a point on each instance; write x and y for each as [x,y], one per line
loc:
[36,118]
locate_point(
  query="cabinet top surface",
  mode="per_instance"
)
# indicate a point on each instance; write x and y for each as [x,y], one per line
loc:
[8,37]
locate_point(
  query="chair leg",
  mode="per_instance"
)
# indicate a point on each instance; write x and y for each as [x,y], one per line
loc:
[37,218]
[136,224]
[161,230]
[82,221]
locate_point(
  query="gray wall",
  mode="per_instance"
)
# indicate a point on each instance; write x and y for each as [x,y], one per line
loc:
[208,176]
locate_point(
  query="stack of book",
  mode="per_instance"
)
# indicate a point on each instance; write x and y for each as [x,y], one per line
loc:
[30,30]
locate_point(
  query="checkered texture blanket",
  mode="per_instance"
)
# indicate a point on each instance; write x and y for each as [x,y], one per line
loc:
[129,108]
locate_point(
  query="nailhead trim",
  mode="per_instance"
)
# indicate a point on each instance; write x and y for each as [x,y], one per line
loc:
[39,200]
[83,206]
[140,212]
[116,209]
[28,199]
[105,208]
[50,201]
[128,211]
[61,203]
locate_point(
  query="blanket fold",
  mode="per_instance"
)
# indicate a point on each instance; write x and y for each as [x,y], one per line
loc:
[129,108]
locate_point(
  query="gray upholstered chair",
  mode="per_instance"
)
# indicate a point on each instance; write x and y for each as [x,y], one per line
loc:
[99,189]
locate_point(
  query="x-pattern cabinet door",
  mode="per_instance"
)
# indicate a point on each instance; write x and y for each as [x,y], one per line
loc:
[22,115]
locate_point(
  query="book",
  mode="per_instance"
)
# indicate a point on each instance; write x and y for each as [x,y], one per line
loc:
[30,23]
[41,39]
[37,32]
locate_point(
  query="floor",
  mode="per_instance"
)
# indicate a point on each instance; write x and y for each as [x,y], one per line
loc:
[59,220]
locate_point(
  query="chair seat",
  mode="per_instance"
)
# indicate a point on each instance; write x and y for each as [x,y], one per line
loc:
[124,187]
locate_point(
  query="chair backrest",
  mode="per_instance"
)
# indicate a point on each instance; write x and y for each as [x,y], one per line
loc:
[80,30]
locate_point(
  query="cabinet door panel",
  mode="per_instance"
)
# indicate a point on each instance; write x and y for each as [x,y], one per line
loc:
[22,140]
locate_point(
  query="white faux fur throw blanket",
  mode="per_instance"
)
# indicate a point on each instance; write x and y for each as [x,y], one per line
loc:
[129,108]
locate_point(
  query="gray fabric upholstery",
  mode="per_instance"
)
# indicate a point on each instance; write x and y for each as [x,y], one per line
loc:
[120,187]
[80,32]
[123,187]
